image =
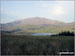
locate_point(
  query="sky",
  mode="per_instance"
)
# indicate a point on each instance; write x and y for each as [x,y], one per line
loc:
[55,10]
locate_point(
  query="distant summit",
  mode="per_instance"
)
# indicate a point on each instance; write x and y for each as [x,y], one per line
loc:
[37,24]
[36,21]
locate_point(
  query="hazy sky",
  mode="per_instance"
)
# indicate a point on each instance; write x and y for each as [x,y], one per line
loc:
[56,10]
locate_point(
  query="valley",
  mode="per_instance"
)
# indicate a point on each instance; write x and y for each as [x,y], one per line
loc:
[37,36]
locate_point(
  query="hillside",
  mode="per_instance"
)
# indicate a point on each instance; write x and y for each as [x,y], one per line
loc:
[36,21]
[37,25]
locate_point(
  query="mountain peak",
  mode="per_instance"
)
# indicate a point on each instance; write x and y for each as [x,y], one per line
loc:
[37,18]
[37,21]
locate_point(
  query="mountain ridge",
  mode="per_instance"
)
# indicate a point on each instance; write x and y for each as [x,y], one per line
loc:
[37,24]
[36,21]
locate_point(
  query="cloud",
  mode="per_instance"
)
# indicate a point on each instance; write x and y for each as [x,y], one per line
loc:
[58,10]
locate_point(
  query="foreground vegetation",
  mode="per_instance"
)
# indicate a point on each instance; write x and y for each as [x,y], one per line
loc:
[35,45]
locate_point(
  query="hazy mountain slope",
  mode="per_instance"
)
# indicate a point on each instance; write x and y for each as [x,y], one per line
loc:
[35,21]
[31,21]
[36,25]
[40,21]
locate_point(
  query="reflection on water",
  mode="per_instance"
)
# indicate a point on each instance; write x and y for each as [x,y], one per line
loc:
[44,34]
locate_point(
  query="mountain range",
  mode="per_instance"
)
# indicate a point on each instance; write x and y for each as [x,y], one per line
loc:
[37,25]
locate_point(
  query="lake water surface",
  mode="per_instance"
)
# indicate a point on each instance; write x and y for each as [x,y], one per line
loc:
[42,34]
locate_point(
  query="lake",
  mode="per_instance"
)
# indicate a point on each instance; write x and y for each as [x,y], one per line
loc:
[42,34]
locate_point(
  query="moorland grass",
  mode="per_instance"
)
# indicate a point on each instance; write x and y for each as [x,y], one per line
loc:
[35,45]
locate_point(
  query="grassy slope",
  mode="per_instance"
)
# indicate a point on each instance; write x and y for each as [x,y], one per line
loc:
[41,28]
[42,45]
[52,29]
